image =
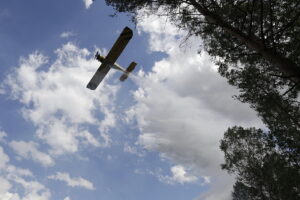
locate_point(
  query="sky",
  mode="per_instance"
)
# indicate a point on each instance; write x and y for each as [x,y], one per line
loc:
[154,136]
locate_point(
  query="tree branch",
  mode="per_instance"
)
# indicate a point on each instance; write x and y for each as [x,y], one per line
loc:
[251,18]
[290,89]
[271,23]
[271,55]
[262,22]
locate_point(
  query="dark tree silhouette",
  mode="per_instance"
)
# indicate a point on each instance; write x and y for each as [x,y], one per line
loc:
[263,171]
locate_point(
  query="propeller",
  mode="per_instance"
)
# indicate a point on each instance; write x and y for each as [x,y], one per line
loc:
[97,54]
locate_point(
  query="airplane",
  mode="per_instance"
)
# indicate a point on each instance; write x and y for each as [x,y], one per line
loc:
[109,61]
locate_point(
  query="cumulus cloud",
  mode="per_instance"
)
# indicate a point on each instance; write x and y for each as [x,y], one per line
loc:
[4,186]
[183,107]
[88,3]
[4,159]
[29,150]
[2,135]
[55,99]
[33,189]
[73,182]
[179,175]
[13,177]
[11,169]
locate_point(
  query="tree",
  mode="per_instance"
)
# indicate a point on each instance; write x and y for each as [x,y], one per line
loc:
[256,44]
[242,192]
[262,170]
[263,31]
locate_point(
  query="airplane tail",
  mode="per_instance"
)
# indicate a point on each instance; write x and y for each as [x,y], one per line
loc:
[129,69]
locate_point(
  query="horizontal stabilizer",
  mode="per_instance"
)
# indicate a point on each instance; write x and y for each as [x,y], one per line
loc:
[129,69]
[123,77]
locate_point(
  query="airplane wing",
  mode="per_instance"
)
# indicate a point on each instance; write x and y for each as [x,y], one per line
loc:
[98,76]
[119,45]
[111,58]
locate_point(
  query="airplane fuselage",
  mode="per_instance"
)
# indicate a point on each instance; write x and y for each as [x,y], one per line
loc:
[114,65]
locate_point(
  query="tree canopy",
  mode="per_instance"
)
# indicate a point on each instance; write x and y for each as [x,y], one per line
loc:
[263,171]
[256,31]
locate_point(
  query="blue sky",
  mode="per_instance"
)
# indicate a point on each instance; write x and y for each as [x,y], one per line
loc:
[155,136]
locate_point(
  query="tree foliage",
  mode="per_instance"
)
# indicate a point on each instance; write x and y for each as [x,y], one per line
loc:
[256,44]
[237,31]
[263,171]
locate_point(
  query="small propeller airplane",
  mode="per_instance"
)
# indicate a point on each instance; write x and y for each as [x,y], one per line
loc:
[109,61]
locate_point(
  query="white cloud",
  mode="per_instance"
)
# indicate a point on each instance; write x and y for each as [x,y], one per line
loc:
[67,198]
[67,34]
[132,150]
[2,135]
[33,189]
[29,150]
[11,169]
[73,182]
[129,149]
[184,107]
[55,99]
[88,3]
[179,175]
[12,177]
[4,159]
[4,186]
